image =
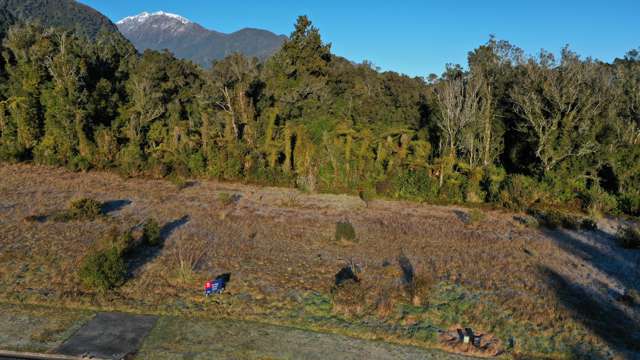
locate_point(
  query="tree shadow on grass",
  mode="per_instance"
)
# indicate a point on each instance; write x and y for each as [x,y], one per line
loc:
[170,227]
[620,264]
[114,205]
[602,311]
[144,254]
[596,312]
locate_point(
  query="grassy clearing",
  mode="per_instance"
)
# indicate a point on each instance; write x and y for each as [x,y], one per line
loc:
[493,276]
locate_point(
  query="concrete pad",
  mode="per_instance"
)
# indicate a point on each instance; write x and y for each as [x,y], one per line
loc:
[109,336]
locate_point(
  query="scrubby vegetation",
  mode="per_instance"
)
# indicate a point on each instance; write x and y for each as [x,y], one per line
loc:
[151,233]
[103,270]
[628,237]
[104,267]
[345,231]
[84,209]
[512,130]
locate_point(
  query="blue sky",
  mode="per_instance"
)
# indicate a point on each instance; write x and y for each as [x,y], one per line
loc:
[419,37]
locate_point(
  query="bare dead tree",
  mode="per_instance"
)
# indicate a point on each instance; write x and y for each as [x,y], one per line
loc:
[559,103]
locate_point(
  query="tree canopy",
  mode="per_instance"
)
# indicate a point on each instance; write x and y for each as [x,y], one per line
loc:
[310,119]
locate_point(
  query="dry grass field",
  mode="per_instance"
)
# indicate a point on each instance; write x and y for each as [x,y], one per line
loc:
[536,293]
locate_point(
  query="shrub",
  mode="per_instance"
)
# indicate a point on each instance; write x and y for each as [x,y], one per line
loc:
[629,203]
[151,233]
[225,198]
[179,181]
[628,237]
[417,185]
[197,163]
[131,160]
[79,163]
[345,231]
[596,201]
[473,191]
[475,215]
[85,209]
[103,270]
[122,242]
[518,192]
[492,182]
[553,219]
[80,209]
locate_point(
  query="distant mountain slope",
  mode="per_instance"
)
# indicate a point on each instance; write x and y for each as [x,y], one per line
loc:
[189,40]
[68,14]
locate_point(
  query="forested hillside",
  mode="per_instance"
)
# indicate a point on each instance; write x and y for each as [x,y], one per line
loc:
[512,129]
[68,14]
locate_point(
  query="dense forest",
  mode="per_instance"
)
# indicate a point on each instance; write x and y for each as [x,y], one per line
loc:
[508,129]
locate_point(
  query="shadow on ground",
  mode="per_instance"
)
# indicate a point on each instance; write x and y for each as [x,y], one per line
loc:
[172,226]
[603,312]
[146,254]
[114,205]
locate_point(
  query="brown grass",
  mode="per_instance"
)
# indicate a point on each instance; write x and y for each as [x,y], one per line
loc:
[279,246]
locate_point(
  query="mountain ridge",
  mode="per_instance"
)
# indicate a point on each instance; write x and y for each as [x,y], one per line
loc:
[189,40]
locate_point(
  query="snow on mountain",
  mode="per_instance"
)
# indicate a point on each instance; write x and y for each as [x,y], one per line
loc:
[188,40]
[142,17]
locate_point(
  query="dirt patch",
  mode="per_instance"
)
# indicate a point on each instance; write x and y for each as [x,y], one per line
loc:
[109,336]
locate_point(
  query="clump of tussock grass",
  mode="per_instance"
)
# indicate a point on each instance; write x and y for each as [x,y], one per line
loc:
[345,231]
[188,255]
[476,216]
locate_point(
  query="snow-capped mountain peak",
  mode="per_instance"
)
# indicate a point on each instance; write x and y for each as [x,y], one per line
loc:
[142,17]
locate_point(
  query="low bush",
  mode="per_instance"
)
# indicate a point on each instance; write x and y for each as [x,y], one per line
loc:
[151,233]
[518,192]
[103,270]
[123,242]
[629,203]
[476,215]
[628,237]
[453,189]
[596,201]
[226,198]
[79,163]
[81,209]
[345,231]
[553,219]
[179,181]
[413,185]
[85,209]
[492,181]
